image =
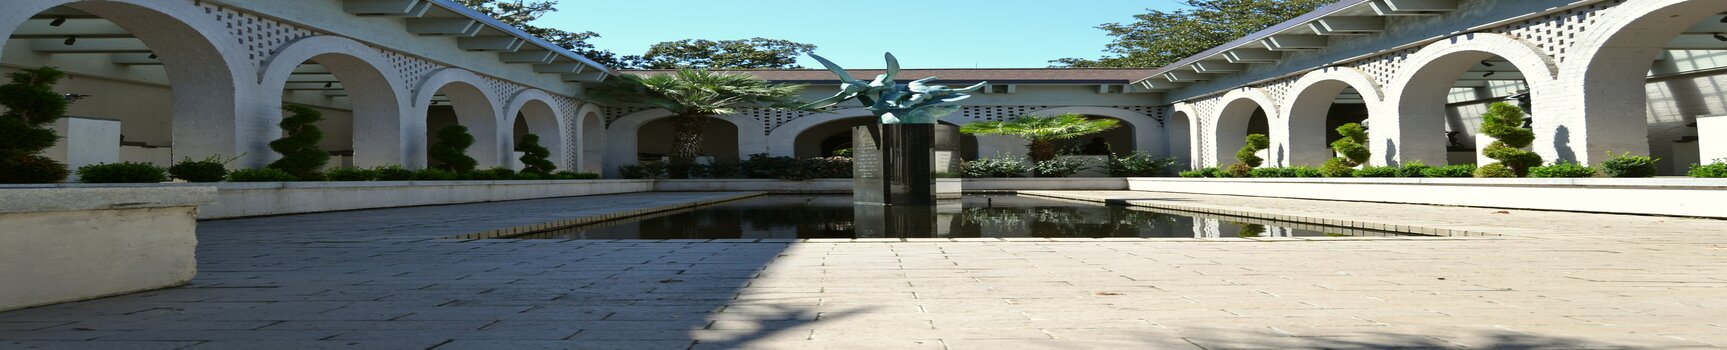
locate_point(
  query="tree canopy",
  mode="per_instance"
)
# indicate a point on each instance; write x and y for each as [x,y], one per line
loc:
[756,53]
[1159,38]
[519,13]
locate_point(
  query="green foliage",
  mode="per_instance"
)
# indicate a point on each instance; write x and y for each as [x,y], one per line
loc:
[1058,167]
[30,105]
[211,169]
[1562,169]
[534,156]
[299,143]
[1042,131]
[1376,171]
[1458,170]
[451,151]
[435,174]
[123,172]
[1237,170]
[762,166]
[520,13]
[1303,172]
[497,173]
[1249,153]
[532,176]
[1495,170]
[260,175]
[753,53]
[1413,169]
[1352,147]
[829,167]
[1215,172]
[1266,172]
[1160,38]
[352,174]
[1191,174]
[643,170]
[1504,122]
[1337,167]
[693,96]
[1140,164]
[717,169]
[1627,165]
[998,167]
[393,173]
[1718,169]
[571,175]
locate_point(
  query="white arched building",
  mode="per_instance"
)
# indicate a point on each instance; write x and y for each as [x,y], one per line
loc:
[199,78]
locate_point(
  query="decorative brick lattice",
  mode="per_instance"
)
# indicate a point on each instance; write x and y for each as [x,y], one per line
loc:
[612,114]
[1207,108]
[261,36]
[568,107]
[1555,32]
[998,113]
[504,89]
[1279,89]
[410,69]
[1383,68]
[773,118]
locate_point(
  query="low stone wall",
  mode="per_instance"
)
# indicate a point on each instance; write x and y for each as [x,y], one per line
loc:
[844,186]
[1048,184]
[1660,196]
[243,199]
[68,244]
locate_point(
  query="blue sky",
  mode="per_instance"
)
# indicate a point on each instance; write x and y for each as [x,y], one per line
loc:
[929,34]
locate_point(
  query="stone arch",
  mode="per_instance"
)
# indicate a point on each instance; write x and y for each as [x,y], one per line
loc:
[1610,63]
[782,141]
[621,136]
[1299,139]
[1418,95]
[1180,134]
[542,119]
[591,137]
[476,108]
[379,97]
[1230,126]
[1147,131]
[208,71]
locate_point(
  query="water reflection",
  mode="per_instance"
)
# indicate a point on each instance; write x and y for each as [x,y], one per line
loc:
[995,216]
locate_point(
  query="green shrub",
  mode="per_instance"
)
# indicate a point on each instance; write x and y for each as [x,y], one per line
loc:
[1413,169]
[1003,166]
[1267,172]
[393,173]
[31,105]
[434,174]
[532,176]
[493,174]
[1627,165]
[1303,171]
[1495,170]
[1191,174]
[260,175]
[299,143]
[585,176]
[1718,169]
[717,169]
[1458,170]
[1337,167]
[1352,148]
[352,174]
[124,172]
[1139,164]
[829,168]
[451,151]
[534,156]
[1058,167]
[1237,170]
[763,166]
[644,170]
[1218,173]
[1504,122]
[1562,169]
[1377,171]
[1249,155]
[211,169]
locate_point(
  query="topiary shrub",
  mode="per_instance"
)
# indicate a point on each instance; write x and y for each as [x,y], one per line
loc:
[1249,153]
[1495,170]
[1058,167]
[1562,169]
[1139,164]
[31,105]
[1459,170]
[211,169]
[492,174]
[1237,170]
[1413,169]
[392,173]
[1627,165]
[645,170]
[299,143]
[260,175]
[534,156]
[434,174]
[1504,122]
[1377,171]
[1718,169]
[1004,166]
[451,151]
[531,176]
[123,172]
[1352,148]
[352,174]
[1304,172]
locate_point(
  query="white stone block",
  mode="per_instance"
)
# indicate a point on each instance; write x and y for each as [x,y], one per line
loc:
[85,141]
[1711,139]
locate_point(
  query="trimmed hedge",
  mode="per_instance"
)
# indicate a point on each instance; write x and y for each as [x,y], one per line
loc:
[1627,165]
[1562,169]
[124,172]
[260,175]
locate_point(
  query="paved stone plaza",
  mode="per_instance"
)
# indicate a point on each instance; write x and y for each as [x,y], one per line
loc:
[382,279]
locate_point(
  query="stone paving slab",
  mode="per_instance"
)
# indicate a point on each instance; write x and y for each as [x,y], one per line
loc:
[383,279]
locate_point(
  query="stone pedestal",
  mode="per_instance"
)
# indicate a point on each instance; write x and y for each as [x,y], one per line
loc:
[895,164]
[1712,139]
[85,141]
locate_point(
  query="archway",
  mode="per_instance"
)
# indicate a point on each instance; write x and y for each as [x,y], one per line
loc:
[623,134]
[1320,102]
[1243,112]
[1138,132]
[654,141]
[454,97]
[1179,135]
[591,136]
[1647,75]
[153,66]
[823,140]
[1120,140]
[363,107]
[531,112]
[1445,88]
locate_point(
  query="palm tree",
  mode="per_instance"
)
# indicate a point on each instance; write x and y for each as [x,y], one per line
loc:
[1042,131]
[694,95]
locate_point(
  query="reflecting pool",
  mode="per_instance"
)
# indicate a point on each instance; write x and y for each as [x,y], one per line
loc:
[973,216]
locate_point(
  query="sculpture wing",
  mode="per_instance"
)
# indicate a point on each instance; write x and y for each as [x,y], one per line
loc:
[919,86]
[844,76]
[973,87]
[826,102]
[892,66]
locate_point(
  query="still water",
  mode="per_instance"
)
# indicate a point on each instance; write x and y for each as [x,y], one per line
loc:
[974,216]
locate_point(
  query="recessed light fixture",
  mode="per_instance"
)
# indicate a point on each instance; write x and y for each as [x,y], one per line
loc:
[1487,63]
[1721,37]
[152,56]
[329,84]
[71,40]
[58,22]
[1489,74]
